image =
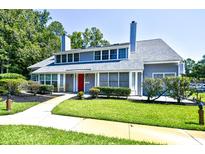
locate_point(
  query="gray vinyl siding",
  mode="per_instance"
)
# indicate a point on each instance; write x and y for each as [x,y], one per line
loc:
[86,56]
[89,81]
[153,68]
[69,83]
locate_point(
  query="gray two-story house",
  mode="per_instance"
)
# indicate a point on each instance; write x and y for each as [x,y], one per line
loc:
[117,65]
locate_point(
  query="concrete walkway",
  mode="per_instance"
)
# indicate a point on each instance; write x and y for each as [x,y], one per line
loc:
[41,115]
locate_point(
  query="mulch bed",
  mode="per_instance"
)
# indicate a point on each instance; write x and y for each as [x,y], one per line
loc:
[29,98]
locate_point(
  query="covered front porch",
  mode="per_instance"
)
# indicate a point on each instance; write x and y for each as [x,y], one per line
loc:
[84,80]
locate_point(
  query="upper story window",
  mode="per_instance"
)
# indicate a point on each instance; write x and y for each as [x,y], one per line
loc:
[58,58]
[76,57]
[64,58]
[122,53]
[113,54]
[97,55]
[70,58]
[105,54]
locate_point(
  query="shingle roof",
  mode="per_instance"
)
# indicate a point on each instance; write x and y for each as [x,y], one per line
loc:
[115,65]
[43,63]
[155,50]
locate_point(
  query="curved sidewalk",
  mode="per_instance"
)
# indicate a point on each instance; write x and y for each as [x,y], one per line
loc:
[41,115]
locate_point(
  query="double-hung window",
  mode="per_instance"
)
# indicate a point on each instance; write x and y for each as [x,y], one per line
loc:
[97,55]
[161,75]
[48,79]
[122,53]
[113,54]
[64,58]
[58,58]
[76,57]
[70,58]
[105,54]
[41,78]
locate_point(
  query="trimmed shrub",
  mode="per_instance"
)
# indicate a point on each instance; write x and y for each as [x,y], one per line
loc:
[94,92]
[33,87]
[80,94]
[11,76]
[114,91]
[153,88]
[46,89]
[12,85]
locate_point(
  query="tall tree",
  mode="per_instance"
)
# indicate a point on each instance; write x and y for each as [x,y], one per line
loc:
[26,38]
[57,28]
[92,37]
[203,60]
[189,64]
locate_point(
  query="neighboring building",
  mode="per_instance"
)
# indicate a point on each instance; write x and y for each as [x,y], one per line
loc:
[117,65]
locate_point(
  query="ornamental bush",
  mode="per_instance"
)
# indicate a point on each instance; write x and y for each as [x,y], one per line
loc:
[11,76]
[80,94]
[33,87]
[14,86]
[153,88]
[178,87]
[94,92]
[46,89]
[114,91]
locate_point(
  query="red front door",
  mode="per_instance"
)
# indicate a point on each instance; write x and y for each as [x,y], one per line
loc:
[80,82]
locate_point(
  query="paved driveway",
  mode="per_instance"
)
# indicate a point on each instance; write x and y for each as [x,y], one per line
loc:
[41,115]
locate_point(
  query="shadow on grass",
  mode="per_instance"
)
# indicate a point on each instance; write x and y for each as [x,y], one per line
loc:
[192,123]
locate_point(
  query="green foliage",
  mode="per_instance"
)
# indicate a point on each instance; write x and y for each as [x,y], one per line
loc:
[178,87]
[193,69]
[26,38]
[114,91]
[153,88]
[46,89]
[11,76]
[33,87]
[80,94]
[12,85]
[89,38]
[94,92]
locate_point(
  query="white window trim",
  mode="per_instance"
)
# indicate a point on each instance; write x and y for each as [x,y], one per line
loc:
[163,73]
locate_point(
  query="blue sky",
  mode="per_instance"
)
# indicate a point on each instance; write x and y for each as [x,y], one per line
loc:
[183,30]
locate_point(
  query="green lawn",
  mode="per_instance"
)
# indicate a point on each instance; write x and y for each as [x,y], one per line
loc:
[21,134]
[177,116]
[16,107]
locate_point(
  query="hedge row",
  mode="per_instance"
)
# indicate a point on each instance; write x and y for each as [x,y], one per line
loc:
[114,91]
[35,88]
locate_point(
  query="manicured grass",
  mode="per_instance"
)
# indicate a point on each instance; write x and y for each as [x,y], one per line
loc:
[16,107]
[21,134]
[177,116]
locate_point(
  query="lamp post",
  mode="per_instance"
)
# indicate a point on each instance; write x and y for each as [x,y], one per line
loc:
[8,102]
[201,113]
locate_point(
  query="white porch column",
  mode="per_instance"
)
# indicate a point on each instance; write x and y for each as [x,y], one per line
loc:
[136,83]
[74,82]
[130,80]
[98,79]
[58,82]
[142,83]
[64,82]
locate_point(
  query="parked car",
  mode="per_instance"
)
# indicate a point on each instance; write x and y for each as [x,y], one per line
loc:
[200,87]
